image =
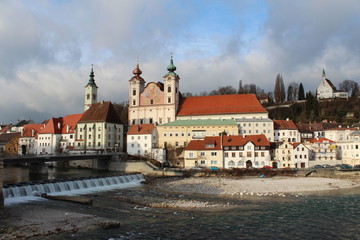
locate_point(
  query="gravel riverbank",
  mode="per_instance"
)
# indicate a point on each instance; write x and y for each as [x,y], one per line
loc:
[255,185]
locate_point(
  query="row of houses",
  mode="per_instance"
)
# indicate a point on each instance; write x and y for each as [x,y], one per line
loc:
[224,131]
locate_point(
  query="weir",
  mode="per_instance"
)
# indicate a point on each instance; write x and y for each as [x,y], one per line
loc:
[71,186]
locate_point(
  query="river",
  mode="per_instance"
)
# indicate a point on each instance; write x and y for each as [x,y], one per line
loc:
[325,215]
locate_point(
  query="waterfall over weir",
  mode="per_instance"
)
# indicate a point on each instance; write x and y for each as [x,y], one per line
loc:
[20,192]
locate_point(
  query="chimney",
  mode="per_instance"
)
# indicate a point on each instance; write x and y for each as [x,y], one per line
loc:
[22,131]
[59,125]
[67,128]
[32,132]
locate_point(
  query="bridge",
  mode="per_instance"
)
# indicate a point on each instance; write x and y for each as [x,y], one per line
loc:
[40,159]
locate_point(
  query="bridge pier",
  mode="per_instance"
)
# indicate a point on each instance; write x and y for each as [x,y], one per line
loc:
[1,180]
[38,168]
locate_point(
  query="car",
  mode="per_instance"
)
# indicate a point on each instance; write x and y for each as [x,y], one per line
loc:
[345,166]
[357,166]
[268,167]
[327,166]
[213,168]
[317,166]
[196,168]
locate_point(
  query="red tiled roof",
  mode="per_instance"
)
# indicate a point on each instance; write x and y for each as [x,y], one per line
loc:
[31,130]
[201,144]
[141,129]
[69,123]
[284,125]
[61,125]
[220,104]
[101,112]
[295,144]
[320,140]
[236,140]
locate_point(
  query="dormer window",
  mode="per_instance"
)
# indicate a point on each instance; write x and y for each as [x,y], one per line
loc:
[210,145]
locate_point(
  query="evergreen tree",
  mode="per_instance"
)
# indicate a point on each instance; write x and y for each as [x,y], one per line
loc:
[301,92]
[277,89]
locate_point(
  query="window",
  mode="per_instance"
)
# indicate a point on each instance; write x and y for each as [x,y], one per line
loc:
[89,136]
[134,102]
[169,88]
[99,136]
[88,96]
[231,164]
[176,144]
[150,120]
[191,155]
[256,154]
[226,154]
[240,154]
[134,92]
[202,162]
[240,163]
[99,144]
[233,154]
[214,162]
[248,154]
[151,101]
[213,154]
[169,99]
[71,136]
[160,120]
[202,153]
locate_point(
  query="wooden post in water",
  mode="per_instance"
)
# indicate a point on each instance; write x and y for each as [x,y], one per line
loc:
[1,179]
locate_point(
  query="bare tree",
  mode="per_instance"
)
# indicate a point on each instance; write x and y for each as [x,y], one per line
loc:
[224,91]
[292,92]
[241,89]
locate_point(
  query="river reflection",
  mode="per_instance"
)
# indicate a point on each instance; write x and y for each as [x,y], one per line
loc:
[21,174]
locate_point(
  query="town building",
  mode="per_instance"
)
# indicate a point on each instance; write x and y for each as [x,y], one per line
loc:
[322,151]
[290,155]
[28,138]
[180,132]
[99,129]
[204,153]
[348,150]
[286,130]
[9,143]
[327,90]
[57,135]
[246,151]
[141,139]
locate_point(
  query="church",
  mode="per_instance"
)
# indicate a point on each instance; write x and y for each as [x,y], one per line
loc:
[161,102]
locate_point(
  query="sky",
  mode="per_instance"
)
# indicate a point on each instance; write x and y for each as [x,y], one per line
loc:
[47,48]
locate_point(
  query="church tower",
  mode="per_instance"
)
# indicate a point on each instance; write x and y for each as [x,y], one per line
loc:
[90,91]
[171,86]
[137,84]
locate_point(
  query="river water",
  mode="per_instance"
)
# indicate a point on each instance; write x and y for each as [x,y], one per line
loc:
[325,215]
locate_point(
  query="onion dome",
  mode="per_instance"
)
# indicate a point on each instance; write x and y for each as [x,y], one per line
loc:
[137,71]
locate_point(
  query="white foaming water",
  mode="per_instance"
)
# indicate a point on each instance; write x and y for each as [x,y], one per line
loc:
[31,192]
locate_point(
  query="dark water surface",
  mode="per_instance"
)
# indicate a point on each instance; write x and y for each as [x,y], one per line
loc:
[325,215]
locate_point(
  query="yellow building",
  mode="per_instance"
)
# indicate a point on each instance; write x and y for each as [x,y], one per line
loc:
[179,133]
[204,153]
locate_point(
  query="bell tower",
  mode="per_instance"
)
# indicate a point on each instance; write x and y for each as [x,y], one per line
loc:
[171,86]
[90,91]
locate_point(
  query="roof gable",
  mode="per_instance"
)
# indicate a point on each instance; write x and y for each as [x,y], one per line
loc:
[101,112]
[137,129]
[236,140]
[208,143]
[284,125]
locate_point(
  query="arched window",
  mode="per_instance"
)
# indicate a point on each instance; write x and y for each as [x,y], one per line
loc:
[151,101]
[262,163]
[257,163]
[169,88]
[134,92]
[240,163]
[231,164]
[88,96]
[134,102]
[169,99]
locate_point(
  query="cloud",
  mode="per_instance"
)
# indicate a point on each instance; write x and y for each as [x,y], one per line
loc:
[48,47]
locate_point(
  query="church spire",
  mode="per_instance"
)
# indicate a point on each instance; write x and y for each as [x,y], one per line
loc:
[324,74]
[171,67]
[92,79]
